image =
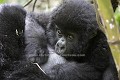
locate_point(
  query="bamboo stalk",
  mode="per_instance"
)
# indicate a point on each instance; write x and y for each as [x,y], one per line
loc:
[111,28]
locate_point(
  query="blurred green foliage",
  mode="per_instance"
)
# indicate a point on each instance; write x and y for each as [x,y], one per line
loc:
[2,1]
[117,16]
[41,5]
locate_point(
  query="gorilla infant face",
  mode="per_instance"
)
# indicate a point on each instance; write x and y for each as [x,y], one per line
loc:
[66,43]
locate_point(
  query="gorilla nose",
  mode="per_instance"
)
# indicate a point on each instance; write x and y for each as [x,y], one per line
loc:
[61,46]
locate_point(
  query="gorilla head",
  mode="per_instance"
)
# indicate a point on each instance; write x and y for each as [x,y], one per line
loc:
[75,27]
[12,16]
[12,22]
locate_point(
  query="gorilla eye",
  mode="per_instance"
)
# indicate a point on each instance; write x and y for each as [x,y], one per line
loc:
[59,33]
[70,37]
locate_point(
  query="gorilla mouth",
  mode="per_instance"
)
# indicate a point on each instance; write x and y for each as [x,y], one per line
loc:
[60,50]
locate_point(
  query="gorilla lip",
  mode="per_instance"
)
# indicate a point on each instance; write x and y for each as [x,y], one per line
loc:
[60,50]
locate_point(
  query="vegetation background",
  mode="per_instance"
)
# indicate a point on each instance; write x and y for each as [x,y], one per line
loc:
[107,15]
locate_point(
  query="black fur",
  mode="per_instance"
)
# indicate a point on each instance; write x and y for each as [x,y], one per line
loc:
[35,37]
[78,16]
[12,24]
[36,48]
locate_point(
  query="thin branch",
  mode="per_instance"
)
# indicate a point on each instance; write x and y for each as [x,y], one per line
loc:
[28,3]
[34,5]
[98,18]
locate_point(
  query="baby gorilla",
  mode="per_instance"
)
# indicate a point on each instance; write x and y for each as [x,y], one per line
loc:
[81,41]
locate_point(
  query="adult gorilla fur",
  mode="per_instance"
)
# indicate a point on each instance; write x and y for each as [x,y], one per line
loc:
[35,37]
[12,22]
[13,62]
[36,48]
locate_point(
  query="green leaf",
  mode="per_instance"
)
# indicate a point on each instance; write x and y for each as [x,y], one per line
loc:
[117,15]
[2,1]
